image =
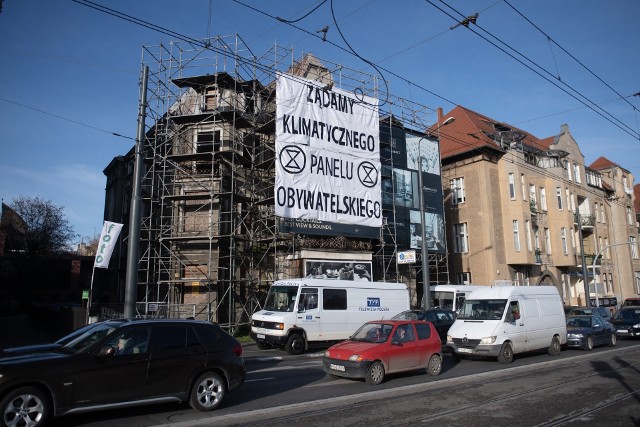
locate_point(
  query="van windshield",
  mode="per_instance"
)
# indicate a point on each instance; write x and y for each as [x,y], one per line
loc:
[281,298]
[442,299]
[483,309]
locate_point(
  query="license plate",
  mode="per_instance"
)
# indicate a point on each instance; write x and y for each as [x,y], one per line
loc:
[261,336]
[623,331]
[337,367]
[465,350]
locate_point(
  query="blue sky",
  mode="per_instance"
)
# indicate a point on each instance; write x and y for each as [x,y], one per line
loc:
[69,76]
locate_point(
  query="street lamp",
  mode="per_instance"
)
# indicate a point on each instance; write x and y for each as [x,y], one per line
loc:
[426,293]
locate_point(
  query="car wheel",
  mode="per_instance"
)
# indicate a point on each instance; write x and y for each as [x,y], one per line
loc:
[375,373]
[613,340]
[434,367]
[207,392]
[295,344]
[588,345]
[506,353]
[263,345]
[554,348]
[25,406]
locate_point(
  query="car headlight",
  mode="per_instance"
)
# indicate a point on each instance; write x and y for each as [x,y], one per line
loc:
[637,325]
[575,335]
[355,358]
[327,353]
[280,326]
[488,340]
[449,338]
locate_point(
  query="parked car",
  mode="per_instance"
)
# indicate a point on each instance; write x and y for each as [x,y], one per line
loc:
[631,302]
[587,311]
[383,347]
[441,319]
[587,331]
[120,363]
[627,321]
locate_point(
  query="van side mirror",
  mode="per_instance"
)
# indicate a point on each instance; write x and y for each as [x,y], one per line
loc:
[301,309]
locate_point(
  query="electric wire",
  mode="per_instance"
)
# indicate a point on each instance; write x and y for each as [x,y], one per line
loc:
[203,45]
[66,119]
[576,94]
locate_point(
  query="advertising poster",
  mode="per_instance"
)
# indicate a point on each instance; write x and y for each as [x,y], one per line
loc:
[327,154]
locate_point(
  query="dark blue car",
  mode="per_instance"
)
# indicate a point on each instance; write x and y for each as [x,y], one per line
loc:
[627,322]
[589,331]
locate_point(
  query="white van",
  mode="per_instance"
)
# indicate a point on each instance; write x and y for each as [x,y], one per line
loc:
[450,297]
[299,311]
[505,320]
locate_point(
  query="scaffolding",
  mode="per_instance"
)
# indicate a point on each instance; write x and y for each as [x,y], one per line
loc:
[209,235]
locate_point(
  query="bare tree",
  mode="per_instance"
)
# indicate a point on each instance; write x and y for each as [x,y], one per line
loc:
[48,231]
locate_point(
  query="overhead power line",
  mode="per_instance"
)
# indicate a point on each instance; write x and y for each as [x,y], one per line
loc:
[67,119]
[541,71]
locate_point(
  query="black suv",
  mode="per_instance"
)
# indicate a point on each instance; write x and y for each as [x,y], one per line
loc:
[120,363]
[441,318]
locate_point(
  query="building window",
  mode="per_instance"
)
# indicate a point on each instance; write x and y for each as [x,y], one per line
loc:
[576,173]
[559,197]
[536,237]
[629,216]
[457,190]
[523,187]
[547,241]
[600,245]
[516,235]
[568,195]
[207,142]
[573,202]
[563,236]
[512,187]
[607,252]
[528,231]
[637,273]
[460,238]
[532,196]
[634,247]
[463,278]
[595,208]
[602,216]
[567,169]
[543,199]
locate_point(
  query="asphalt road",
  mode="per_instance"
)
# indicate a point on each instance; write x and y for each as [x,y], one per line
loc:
[601,387]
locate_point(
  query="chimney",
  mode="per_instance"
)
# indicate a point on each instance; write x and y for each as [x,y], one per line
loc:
[439,110]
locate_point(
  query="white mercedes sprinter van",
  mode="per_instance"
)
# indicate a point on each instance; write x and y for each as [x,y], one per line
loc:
[300,311]
[505,320]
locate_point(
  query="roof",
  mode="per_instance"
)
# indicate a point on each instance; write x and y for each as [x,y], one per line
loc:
[602,163]
[473,131]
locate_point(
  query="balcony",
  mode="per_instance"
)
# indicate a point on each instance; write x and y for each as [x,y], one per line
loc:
[588,259]
[586,221]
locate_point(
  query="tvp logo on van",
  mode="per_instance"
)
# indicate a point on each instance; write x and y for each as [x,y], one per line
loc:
[373,302]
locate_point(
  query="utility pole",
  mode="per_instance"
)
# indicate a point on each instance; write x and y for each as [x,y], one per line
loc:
[131,285]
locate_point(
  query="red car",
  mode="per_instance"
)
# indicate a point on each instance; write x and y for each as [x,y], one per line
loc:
[384,347]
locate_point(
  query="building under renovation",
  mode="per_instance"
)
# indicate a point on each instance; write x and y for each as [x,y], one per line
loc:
[210,240]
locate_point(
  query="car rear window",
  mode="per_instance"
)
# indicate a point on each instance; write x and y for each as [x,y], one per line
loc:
[169,337]
[208,334]
[424,331]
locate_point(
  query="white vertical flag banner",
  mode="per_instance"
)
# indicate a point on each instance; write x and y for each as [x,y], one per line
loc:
[328,154]
[108,237]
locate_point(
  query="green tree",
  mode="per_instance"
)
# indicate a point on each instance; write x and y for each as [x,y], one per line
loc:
[46,229]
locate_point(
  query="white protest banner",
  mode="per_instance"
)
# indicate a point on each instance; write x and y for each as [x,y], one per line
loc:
[108,237]
[328,154]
